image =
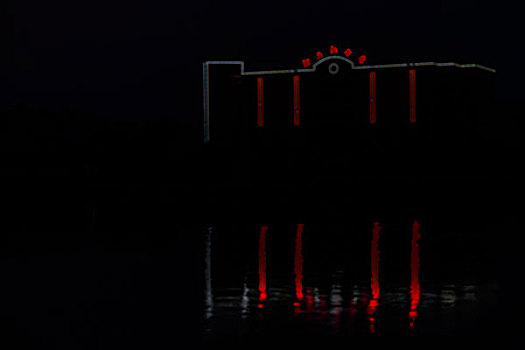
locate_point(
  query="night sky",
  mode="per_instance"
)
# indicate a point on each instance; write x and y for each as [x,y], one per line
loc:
[144,59]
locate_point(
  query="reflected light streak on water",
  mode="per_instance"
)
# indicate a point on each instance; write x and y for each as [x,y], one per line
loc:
[262,265]
[374,282]
[414,273]
[245,301]
[348,303]
[208,292]
[299,263]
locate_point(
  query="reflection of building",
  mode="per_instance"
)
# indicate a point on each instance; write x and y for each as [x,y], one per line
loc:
[342,101]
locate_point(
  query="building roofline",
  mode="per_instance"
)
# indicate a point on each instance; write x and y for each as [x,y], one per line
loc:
[376,66]
[205,77]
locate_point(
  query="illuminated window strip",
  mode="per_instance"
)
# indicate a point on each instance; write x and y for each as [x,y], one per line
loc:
[296,102]
[373,97]
[412,95]
[260,101]
[205,82]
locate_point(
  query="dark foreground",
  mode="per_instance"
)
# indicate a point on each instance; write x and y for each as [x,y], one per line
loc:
[104,243]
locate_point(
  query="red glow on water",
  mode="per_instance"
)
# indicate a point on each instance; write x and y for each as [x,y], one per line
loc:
[296,100]
[372,308]
[362,59]
[373,102]
[260,306]
[414,273]
[262,263]
[333,50]
[319,55]
[348,52]
[296,304]
[299,263]
[375,260]
[374,280]
[412,92]
[307,63]
[260,101]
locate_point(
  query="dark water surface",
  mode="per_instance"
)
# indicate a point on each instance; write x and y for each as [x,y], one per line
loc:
[370,282]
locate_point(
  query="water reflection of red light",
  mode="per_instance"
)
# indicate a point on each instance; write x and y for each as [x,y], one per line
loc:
[262,263]
[375,260]
[299,263]
[374,301]
[414,273]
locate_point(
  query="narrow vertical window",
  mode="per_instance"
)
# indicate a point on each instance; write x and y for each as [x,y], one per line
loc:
[260,102]
[373,102]
[412,92]
[296,106]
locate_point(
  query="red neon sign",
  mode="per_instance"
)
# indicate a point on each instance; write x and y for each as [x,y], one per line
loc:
[362,59]
[373,103]
[319,55]
[306,63]
[348,52]
[333,50]
[296,106]
[299,263]
[260,100]
[412,92]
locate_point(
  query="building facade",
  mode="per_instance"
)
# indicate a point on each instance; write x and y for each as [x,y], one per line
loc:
[338,101]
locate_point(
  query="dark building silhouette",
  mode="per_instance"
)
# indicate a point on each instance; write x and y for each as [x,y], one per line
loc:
[341,103]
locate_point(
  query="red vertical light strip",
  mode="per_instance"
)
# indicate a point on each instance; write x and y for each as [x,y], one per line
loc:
[412,92]
[260,101]
[374,281]
[299,263]
[373,102]
[296,101]
[414,273]
[262,263]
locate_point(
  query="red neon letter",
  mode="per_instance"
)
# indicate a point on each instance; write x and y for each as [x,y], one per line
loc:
[412,98]
[260,101]
[296,107]
[306,63]
[414,273]
[372,85]
[362,59]
[299,263]
[348,52]
[319,55]
[262,263]
[333,50]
